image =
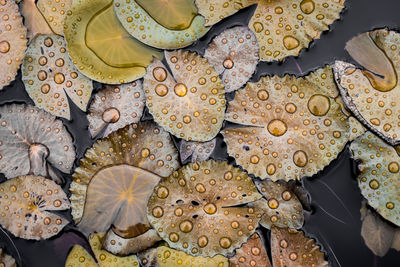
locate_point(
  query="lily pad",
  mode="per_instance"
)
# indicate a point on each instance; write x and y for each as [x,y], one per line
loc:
[290,127]
[234,54]
[50,76]
[54,11]
[281,206]
[371,91]
[252,253]
[291,248]
[162,24]
[196,209]
[282,28]
[379,178]
[199,151]
[79,257]
[142,147]
[6,260]
[32,141]
[99,45]
[12,41]
[115,107]
[117,195]
[26,203]
[121,246]
[190,102]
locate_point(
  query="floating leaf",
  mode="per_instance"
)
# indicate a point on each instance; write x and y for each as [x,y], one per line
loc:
[195,209]
[12,41]
[118,245]
[280,205]
[291,248]
[379,178]
[79,257]
[145,146]
[6,260]
[252,253]
[54,11]
[49,76]
[234,54]
[33,141]
[99,45]
[34,20]
[282,28]
[371,92]
[117,195]
[356,128]
[115,107]
[198,150]
[378,235]
[168,257]
[26,203]
[190,103]
[294,127]
[161,24]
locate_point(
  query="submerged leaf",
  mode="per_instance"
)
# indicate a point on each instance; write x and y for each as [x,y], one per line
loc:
[115,107]
[234,54]
[283,28]
[190,102]
[12,41]
[198,150]
[163,24]
[117,195]
[118,245]
[33,141]
[49,76]
[378,235]
[252,253]
[26,203]
[293,126]
[196,209]
[291,248]
[6,260]
[379,178]
[280,205]
[144,148]
[99,45]
[371,92]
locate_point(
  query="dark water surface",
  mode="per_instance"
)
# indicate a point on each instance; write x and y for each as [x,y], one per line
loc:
[335,198]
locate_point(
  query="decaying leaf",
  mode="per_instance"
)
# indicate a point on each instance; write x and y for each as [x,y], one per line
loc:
[291,248]
[117,195]
[162,24]
[234,54]
[190,102]
[280,205]
[371,91]
[50,76]
[196,209]
[200,151]
[26,203]
[293,126]
[356,128]
[79,257]
[379,179]
[115,107]
[283,28]
[33,141]
[142,147]
[118,245]
[6,260]
[148,257]
[34,20]
[252,253]
[12,41]
[378,235]
[99,45]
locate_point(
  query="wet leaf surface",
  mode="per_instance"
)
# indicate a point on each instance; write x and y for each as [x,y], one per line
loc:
[196,209]
[198,151]
[252,253]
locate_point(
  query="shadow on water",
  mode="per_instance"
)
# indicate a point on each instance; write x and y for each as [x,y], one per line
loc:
[336,200]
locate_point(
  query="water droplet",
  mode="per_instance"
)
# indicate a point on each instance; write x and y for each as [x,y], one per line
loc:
[319,105]
[300,158]
[290,42]
[111,115]
[277,127]
[180,89]
[307,6]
